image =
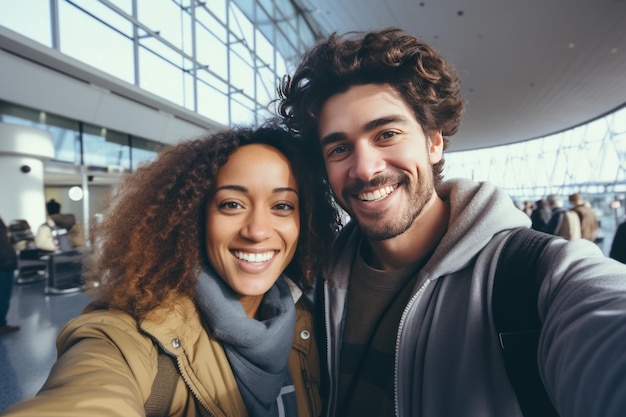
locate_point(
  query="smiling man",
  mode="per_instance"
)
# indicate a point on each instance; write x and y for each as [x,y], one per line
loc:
[406,303]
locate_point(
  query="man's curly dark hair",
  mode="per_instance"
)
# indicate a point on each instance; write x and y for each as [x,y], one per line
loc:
[423,78]
[151,240]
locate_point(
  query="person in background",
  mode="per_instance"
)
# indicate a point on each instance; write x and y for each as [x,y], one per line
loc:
[203,258]
[528,207]
[8,265]
[540,215]
[406,324]
[588,219]
[46,236]
[63,224]
[53,207]
[618,247]
[564,223]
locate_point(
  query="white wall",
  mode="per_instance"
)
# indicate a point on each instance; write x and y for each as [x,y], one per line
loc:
[21,192]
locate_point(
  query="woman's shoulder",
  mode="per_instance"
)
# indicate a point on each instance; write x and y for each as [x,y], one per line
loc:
[95,322]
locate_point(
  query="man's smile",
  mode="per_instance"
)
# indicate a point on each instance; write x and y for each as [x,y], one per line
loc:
[377,195]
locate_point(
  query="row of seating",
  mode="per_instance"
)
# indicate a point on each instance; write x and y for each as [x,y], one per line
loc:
[61,270]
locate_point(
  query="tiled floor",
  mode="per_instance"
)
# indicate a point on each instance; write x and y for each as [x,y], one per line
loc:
[27,355]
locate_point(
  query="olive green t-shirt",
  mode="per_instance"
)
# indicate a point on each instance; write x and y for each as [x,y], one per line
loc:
[376,300]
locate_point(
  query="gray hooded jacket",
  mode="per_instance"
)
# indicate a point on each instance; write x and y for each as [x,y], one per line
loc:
[448,360]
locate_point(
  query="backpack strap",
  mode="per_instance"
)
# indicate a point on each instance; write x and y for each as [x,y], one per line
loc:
[160,400]
[515,314]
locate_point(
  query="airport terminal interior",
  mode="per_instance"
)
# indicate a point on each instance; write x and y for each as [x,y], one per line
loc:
[546,114]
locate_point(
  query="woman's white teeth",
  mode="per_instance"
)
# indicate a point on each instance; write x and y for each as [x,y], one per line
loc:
[376,195]
[254,257]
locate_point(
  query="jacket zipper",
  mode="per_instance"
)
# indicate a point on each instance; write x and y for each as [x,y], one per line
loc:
[195,395]
[329,359]
[412,301]
[307,386]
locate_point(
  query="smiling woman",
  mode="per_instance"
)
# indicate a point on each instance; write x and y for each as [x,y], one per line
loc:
[253,222]
[203,258]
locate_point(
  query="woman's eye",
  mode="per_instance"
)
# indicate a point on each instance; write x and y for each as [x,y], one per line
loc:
[283,207]
[230,205]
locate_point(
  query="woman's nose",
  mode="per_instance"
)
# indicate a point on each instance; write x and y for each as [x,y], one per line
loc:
[257,227]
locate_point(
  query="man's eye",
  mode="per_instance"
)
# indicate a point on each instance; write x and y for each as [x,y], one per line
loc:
[388,134]
[338,150]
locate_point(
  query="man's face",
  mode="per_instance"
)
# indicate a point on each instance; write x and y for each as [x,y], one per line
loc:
[378,159]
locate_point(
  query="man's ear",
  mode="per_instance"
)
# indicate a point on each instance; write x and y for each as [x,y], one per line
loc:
[435,146]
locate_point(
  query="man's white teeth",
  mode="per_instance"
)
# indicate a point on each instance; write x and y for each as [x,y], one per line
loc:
[376,195]
[254,257]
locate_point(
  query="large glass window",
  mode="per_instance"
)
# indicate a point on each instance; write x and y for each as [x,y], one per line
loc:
[187,52]
[588,157]
[242,110]
[104,148]
[84,35]
[30,18]
[241,72]
[144,151]
[65,133]
[210,50]
[213,98]
[165,17]
[163,77]
[217,8]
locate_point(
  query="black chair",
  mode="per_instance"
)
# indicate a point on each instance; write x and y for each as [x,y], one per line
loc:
[32,266]
[64,272]
[31,262]
[21,233]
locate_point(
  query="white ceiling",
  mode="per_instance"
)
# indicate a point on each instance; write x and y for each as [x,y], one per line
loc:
[530,68]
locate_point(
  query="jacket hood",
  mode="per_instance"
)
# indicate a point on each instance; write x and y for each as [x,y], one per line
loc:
[469,226]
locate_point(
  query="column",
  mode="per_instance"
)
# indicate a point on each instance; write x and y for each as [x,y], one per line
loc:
[22,152]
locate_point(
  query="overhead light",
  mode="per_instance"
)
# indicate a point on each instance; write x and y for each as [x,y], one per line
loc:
[75,193]
[571,45]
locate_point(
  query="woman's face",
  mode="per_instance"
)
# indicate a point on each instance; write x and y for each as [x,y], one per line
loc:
[253,221]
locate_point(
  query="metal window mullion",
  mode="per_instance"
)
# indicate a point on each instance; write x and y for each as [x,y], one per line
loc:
[255,64]
[275,21]
[194,53]
[54,25]
[136,44]
[129,141]
[228,43]
[161,39]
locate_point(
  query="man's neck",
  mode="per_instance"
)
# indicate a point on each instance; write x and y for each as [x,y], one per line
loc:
[418,242]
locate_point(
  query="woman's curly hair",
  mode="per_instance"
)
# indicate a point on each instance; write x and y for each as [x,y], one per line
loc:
[151,240]
[423,78]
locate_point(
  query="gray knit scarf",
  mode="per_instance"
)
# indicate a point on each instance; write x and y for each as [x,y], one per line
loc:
[257,349]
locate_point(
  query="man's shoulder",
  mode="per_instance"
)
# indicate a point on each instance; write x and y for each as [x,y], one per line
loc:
[572,216]
[582,209]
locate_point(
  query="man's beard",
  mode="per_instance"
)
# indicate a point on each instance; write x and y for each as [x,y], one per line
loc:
[418,196]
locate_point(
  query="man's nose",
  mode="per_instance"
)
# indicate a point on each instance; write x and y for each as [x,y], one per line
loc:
[367,163]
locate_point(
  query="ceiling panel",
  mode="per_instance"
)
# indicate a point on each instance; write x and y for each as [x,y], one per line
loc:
[529,68]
